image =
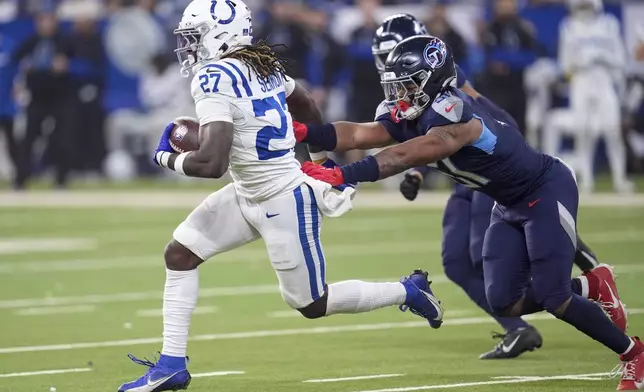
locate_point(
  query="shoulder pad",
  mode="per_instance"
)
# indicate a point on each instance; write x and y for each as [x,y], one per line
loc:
[219,78]
[289,85]
[449,106]
[382,109]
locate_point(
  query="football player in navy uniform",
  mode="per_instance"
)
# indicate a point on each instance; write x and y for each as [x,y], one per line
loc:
[529,247]
[467,213]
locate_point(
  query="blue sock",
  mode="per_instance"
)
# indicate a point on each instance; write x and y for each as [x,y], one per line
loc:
[166,361]
[590,319]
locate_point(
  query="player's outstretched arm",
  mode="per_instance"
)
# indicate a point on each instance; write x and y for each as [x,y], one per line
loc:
[212,158]
[344,136]
[439,143]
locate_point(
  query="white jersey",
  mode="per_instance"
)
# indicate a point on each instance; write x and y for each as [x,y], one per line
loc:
[592,48]
[262,159]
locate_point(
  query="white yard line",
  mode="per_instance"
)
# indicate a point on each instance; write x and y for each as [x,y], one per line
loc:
[369,377]
[266,333]
[259,334]
[189,199]
[217,374]
[45,372]
[43,311]
[10,246]
[259,255]
[230,291]
[159,312]
[345,251]
[584,377]
[284,314]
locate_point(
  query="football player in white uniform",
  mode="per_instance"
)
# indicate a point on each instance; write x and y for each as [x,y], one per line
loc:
[591,52]
[243,98]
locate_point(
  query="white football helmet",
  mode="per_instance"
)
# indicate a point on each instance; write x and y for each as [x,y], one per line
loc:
[586,5]
[210,29]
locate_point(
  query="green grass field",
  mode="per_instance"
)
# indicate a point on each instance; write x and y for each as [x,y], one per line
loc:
[80,288]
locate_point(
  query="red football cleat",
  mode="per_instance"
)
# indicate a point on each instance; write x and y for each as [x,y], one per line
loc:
[607,295]
[633,370]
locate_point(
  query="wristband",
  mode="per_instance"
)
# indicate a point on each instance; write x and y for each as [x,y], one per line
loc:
[162,158]
[178,163]
[364,170]
[323,136]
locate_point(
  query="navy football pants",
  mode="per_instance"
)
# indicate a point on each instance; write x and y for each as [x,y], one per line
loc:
[465,220]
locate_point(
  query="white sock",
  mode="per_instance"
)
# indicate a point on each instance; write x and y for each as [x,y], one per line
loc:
[584,286]
[179,300]
[355,296]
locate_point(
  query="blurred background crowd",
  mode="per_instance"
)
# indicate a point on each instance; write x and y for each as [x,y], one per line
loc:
[86,86]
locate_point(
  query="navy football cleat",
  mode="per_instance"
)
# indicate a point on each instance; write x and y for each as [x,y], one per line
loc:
[168,374]
[514,343]
[420,299]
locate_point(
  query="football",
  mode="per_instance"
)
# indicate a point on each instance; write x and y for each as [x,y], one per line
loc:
[184,136]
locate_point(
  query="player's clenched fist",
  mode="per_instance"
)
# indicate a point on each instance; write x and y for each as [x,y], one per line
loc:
[301,131]
[332,176]
[411,184]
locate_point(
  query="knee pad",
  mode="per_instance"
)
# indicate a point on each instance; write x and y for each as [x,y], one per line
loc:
[553,301]
[458,271]
[500,302]
[315,309]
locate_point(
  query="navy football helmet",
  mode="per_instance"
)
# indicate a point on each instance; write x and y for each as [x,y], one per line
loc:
[416,72]
[393,30]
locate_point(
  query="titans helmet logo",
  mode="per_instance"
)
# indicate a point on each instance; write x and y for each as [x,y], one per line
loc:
[435,53]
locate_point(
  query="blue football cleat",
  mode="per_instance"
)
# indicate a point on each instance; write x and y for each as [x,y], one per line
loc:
[168,374]
[420,299]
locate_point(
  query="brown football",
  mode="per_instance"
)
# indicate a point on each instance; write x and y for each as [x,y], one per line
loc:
[185,135]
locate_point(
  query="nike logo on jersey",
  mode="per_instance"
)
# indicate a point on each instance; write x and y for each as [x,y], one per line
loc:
[532,203]
[507,349]
[269,216]
[449,108]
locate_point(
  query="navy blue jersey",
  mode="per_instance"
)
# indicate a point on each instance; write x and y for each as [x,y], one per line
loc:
[500,163]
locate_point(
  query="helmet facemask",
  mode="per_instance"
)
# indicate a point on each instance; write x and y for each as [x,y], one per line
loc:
[407,94]
[190,49]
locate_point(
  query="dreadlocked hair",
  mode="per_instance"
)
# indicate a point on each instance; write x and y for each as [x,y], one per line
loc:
[261,58]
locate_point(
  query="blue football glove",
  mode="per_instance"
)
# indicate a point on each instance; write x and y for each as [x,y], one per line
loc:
[330,164]
[164,143]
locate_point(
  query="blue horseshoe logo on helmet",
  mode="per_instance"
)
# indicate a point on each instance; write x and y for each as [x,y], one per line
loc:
[233,12]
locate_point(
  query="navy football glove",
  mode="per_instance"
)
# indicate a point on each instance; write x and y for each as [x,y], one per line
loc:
[410,186]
